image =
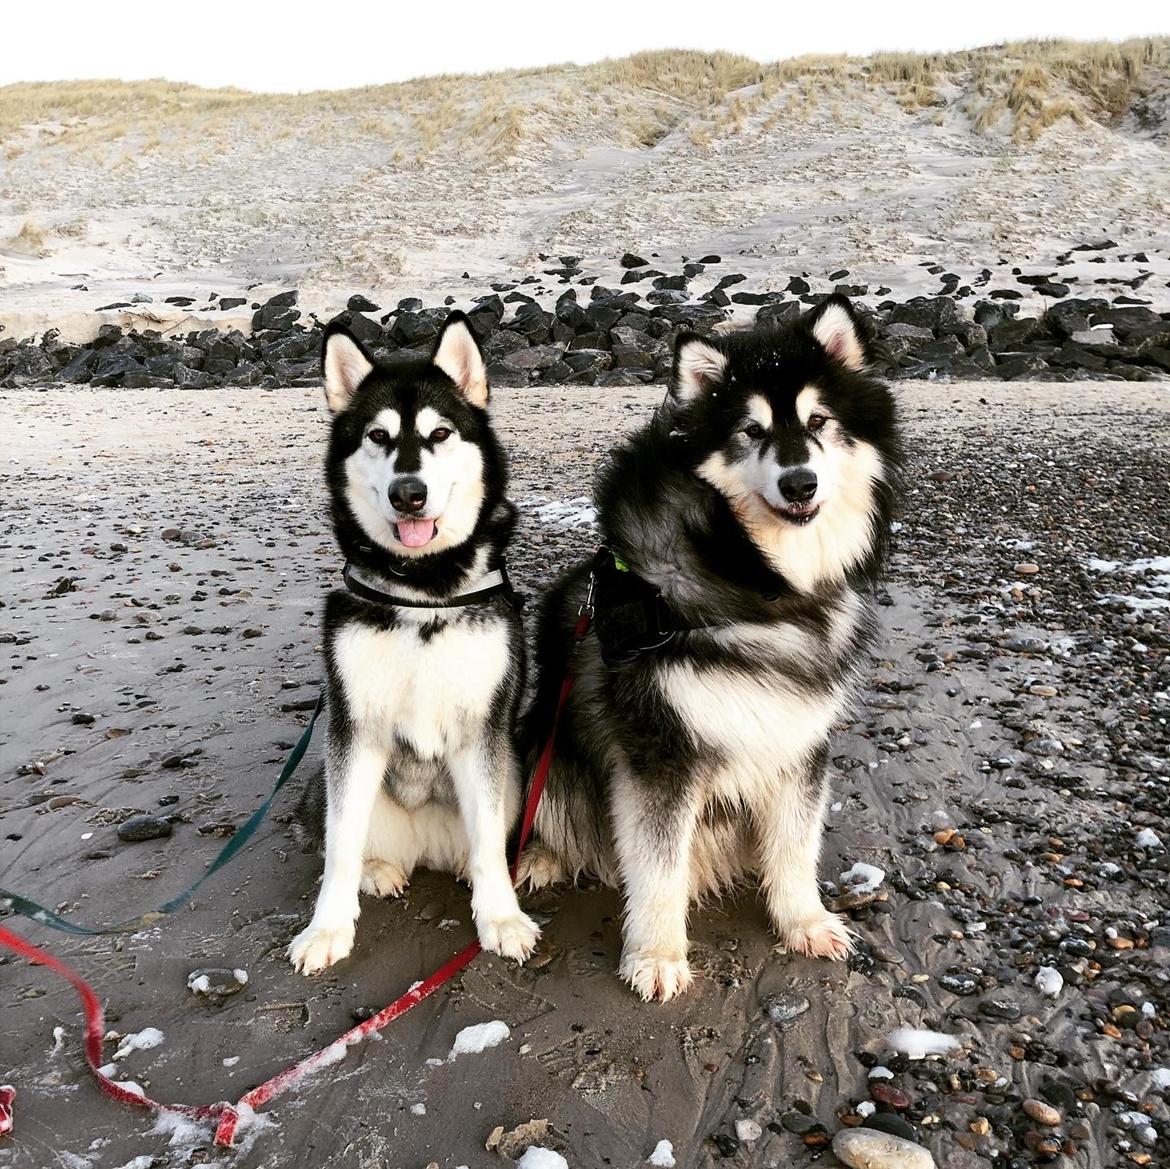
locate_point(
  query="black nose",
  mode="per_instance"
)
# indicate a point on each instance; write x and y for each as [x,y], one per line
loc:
[799,485]
[408,494]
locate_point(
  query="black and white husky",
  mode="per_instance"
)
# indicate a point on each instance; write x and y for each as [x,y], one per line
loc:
[424,654]
[744,528]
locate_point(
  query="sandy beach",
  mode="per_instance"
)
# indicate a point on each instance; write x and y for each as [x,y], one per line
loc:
[165,556]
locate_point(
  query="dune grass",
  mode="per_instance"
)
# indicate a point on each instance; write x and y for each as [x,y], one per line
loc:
[1021,89]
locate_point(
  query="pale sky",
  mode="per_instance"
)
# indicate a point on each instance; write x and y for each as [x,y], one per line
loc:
[294,45]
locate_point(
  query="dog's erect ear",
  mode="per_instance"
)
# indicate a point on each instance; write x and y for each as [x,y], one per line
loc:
[699,367]
[834,324]
[345,365]
[458,355]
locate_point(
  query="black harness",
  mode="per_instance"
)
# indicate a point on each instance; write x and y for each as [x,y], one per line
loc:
[369,588]
[631,616]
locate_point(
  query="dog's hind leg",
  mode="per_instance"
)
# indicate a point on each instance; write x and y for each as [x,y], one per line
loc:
[538,867]
[789,820]
[653,831]
[486,782]
[354,774]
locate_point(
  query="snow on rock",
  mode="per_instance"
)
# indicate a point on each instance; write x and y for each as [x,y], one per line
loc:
[1160,1078]
[916,1043]
[479,1037]
[563,514]
[536,1157]
[663,1155]
[1049,981]
[863,878]
[143,1162]
[142,1040]
[418,1109]
[1148,838]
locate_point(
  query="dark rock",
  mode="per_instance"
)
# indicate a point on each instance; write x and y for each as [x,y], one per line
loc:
[728,281]
[361,304]
[674,283]
[840,274]
[756,297]
[630,260]
[712,259]
[230,302]
[773,314]
[139,828]
[798,286]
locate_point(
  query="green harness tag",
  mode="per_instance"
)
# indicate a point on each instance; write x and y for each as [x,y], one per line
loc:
[619,563]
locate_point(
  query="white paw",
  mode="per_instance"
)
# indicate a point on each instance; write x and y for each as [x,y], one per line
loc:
[538,868]
[656,974]
[825,936]
[317,947]
[383,878]
[511,937]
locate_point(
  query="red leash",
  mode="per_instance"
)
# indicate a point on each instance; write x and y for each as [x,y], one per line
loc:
[227,1114]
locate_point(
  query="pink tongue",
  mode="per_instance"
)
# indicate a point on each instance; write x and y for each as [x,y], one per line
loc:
[415,533]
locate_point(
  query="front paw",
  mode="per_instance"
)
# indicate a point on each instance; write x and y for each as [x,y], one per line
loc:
[656,974]
[383,878]
[512,937]
[318,946]
[824,936]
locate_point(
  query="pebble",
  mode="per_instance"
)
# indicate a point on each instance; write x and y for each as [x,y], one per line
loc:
[216,982]
[1027,569]
[138,828]
[867,1148]
[1042,1113]
[748,1131]
[783,1008]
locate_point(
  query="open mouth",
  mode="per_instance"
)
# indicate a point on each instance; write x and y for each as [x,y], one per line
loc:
[795,513]
[415,533]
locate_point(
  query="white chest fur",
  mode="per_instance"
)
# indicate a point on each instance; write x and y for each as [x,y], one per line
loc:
[432,694]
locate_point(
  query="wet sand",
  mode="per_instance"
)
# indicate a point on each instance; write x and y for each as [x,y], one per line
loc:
[193,530]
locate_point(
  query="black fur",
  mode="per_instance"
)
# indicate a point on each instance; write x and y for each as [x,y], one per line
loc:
[680,534]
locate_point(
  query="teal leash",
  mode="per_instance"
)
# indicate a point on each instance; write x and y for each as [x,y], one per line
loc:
[26,907]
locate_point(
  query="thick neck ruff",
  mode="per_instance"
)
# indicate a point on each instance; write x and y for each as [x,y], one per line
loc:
[372,587]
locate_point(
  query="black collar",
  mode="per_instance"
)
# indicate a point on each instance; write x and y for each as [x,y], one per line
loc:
[369,587]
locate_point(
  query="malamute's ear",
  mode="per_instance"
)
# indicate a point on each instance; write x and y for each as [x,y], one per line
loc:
[835,325]
[458,355]
[345,365]
[698,367]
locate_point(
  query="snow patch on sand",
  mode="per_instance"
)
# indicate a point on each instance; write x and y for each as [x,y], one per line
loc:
[537,1158]
[663,1155]
[478,1037]
[142,1040]
[916,1043]
[564,514]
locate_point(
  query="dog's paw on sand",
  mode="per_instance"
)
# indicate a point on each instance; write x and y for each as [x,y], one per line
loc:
[654,974]
[383,878]
[512,937]
[538,867]
[318,947]
[826,936]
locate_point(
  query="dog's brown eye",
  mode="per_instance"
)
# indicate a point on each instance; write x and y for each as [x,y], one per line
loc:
[816,421]
[441,434]
[378,436]
[754,430]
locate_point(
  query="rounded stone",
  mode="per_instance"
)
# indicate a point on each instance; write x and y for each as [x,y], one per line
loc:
[139,828]
[866,1148]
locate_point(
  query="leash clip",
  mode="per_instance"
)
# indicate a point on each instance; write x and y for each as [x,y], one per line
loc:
[586,609]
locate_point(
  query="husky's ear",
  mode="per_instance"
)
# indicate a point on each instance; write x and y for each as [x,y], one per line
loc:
[835,325]
[699,367]
[345,365]
[458,355]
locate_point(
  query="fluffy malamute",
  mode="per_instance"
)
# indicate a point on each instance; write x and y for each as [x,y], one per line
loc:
[424,652]
[744,529]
